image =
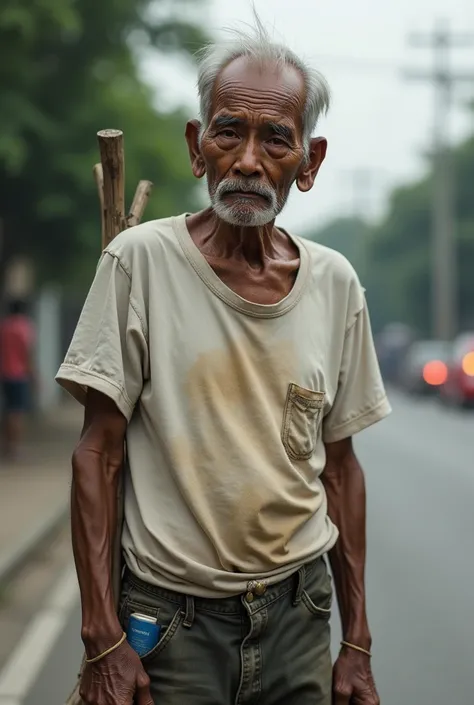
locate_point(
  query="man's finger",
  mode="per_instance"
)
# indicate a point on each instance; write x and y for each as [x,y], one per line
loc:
[366,697]
[142,693]
[341,695]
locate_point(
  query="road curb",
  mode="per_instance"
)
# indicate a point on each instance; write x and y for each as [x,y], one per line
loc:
[12,560]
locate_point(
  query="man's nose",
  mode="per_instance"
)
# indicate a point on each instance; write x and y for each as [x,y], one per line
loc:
[248,162]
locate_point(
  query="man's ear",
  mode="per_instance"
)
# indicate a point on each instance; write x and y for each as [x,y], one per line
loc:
[193,130]
[309,170]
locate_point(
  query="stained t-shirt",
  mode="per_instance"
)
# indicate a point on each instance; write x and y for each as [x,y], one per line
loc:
[229,405]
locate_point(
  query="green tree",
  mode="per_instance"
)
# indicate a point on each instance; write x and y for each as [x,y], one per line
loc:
[69,68]
[402,247]
[397,271]
[349,236]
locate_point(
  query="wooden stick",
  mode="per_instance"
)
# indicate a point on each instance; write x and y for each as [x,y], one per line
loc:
[112,159]
[142,194]
[109,177]
[99,180]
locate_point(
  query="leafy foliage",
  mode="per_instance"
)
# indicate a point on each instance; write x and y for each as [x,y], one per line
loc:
[398,252]
[68,68]
[350,236]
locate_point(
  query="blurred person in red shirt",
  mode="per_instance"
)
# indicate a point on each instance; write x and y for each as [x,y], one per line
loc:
[17,338]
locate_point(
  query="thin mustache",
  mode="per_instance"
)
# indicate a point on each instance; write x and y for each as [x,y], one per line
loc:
[234,186]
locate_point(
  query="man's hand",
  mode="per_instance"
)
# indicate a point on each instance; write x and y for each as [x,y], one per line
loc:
[353,682]
[117,679]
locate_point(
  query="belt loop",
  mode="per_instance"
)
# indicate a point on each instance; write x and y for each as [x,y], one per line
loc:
[189,615]
[300,575]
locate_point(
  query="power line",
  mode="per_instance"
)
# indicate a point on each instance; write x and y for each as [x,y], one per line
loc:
[363,184]
[444,252]
[370,64]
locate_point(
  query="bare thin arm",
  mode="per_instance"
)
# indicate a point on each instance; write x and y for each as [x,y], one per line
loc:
[344,482]
[97,462]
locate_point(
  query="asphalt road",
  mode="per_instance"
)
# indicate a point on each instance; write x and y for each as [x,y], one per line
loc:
[420,576]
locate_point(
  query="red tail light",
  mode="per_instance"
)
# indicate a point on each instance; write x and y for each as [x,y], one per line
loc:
[435,373]
[468,364]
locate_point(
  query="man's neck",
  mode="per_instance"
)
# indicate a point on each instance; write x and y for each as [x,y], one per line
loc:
[259,264]
[220,240]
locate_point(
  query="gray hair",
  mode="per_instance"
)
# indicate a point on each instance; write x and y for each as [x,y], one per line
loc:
[257,44]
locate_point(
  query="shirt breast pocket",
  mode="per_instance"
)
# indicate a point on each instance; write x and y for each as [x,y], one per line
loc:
[301,419]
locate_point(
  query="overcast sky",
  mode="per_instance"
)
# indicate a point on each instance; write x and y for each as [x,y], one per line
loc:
[378,123]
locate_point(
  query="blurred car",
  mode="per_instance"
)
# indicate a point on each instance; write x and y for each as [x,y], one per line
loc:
[458,388]
[392,345]
[425,367]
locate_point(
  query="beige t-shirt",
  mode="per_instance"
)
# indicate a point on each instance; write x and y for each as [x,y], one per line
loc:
[229,404]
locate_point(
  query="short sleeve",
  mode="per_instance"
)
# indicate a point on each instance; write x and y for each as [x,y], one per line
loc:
[109,351]
[360,399]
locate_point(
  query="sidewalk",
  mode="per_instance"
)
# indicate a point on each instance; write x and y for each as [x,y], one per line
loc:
[35,490]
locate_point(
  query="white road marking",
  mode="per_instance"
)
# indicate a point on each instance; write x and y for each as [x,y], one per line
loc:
[27,659]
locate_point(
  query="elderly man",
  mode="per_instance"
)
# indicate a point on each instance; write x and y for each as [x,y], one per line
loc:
[236,361]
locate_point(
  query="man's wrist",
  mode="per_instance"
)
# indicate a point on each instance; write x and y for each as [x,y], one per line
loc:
[361,638]
[96,640]
[356,630]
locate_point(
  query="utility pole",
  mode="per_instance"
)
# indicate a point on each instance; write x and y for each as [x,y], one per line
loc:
[362,186]
[357,184]
[361,189]
[444,279]
[363,182]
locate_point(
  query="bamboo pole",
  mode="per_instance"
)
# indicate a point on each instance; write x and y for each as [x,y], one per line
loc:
[99,180]
[113,168]
[109,176]
[139,202]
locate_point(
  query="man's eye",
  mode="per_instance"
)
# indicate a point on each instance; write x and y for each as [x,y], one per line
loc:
[277,142]
[227,133]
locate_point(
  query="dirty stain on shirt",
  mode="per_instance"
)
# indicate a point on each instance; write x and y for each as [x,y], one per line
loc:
[229,402]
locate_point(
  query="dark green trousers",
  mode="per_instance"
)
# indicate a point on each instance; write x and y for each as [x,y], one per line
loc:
[269,646]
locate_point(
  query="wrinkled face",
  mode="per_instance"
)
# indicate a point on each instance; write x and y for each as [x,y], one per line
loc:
[253,148]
